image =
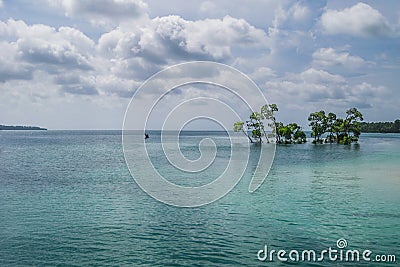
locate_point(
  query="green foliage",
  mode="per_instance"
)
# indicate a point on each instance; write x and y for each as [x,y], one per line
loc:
[342,131]
[380,127]
[330,120]
[337,127]
[339,130]
[351,127]
[255,124]
[300,137]
[292,134]
[318,125]
[268,111]
[239,126]
[287,132]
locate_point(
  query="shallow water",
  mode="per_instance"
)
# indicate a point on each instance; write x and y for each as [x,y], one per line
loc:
[67,198]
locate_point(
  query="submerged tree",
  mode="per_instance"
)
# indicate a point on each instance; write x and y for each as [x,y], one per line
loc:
[351,126]
[287,132]
[255,124]
[299,136]
[342,131]
[239,126]
[278,130]
[329,125]
[318,125]
[338,127]
[268,113]
[292,133]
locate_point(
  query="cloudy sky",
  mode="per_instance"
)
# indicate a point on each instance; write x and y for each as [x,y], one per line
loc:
[69,64]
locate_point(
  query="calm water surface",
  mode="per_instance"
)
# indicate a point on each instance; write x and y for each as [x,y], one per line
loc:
[67,198]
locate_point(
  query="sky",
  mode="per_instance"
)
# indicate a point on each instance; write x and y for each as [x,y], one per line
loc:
[70,64]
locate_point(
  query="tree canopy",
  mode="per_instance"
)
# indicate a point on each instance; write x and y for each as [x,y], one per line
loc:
[292,134]
[341,131]
[318,125]
[325,127]
[255,124]
[284,134]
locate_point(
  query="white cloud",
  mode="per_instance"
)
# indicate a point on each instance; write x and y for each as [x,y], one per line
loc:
[308,97]
[262,73]
[1,3]
[213,37]
[167,40]
[359,20]
[292,35]
[296,15]
[103,12]
[314,89]
[329,57]
[67,47]
[27,49]
[259,13]
[129,52]
[320,76]
[10,67]
[74,71]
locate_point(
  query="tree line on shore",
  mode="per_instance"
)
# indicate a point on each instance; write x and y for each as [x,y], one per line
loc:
[326,128]
[381,127]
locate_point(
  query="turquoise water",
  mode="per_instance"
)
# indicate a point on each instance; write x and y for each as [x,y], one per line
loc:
[67,198]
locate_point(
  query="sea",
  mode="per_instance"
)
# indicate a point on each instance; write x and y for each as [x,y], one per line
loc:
[67,198]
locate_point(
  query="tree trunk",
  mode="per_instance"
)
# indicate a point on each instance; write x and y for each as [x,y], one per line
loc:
[265,134]
[251,140]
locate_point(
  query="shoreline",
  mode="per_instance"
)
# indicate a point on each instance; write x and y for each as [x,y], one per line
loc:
[21,128]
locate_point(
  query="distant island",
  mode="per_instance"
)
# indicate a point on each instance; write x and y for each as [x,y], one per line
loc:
[19,127]
[380,127]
